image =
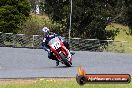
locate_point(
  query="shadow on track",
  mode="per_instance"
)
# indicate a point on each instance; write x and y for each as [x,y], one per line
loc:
[63,67]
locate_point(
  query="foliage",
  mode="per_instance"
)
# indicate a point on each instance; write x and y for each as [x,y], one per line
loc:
[89,18]
[58,11]
[122,42]
[33,5]
[36,22]
[129,14]
[12,14]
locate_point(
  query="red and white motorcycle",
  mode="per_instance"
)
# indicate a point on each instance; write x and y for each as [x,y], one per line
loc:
[61,53]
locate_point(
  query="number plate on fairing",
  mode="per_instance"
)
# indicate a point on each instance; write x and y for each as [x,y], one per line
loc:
[56,45]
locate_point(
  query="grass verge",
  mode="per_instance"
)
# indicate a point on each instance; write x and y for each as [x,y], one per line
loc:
[123,40]
[56,83]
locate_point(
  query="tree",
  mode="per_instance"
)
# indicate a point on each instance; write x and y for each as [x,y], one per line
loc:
[12,14]
[33,5]
[59,11]
[90,17]
[129,14]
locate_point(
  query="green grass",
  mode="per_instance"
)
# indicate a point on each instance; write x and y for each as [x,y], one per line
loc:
[123,40]
[123,34]
[65,83]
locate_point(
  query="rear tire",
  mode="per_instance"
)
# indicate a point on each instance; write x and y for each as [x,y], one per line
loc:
[66,62]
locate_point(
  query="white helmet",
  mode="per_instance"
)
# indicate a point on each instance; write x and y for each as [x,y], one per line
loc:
[45,29]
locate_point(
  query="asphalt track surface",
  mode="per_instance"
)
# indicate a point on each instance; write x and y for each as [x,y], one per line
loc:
[28,63]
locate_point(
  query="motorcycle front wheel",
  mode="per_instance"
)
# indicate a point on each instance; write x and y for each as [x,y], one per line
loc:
[64,59]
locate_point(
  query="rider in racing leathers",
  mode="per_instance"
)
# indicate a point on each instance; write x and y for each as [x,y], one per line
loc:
[46,38]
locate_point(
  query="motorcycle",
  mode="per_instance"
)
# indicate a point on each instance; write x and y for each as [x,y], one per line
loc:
[61,53]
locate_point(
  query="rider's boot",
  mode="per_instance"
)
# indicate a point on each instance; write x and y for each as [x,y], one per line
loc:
[57,63]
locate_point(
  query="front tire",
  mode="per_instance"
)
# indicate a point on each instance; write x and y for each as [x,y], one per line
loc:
[66,62]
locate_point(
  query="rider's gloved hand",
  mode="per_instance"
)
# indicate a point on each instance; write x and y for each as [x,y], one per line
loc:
[48,50]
